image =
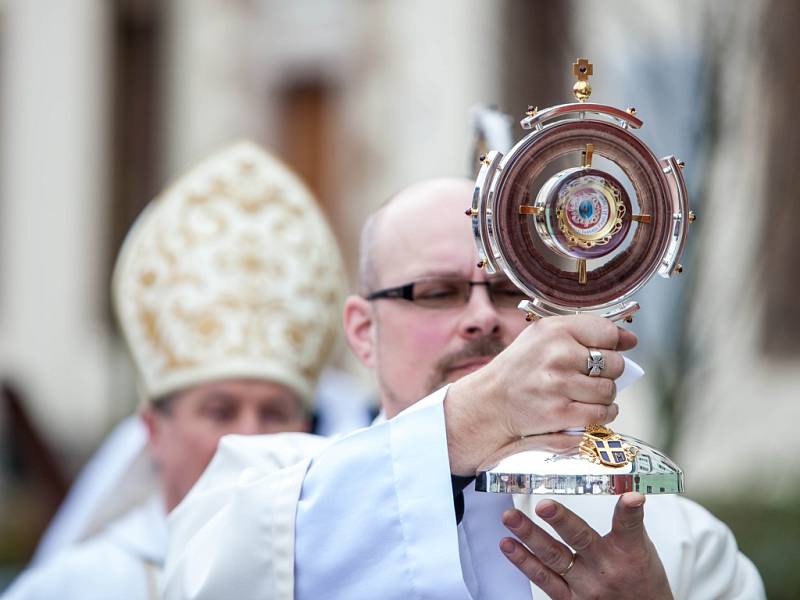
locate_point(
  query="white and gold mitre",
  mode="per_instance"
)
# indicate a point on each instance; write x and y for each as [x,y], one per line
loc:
[232,272]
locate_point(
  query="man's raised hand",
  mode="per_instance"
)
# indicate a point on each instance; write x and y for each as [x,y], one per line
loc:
[622,564]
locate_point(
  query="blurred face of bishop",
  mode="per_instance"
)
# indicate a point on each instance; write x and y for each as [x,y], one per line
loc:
[447,328]
[185,428]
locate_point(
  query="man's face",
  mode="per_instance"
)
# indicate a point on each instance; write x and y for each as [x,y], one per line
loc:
[415,350]
[185,433]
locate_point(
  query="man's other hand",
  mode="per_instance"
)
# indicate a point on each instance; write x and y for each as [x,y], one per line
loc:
[622,564]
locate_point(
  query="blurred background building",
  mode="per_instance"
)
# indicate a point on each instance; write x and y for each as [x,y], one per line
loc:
[102,102]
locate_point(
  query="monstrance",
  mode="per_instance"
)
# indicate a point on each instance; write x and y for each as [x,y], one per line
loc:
[579,215]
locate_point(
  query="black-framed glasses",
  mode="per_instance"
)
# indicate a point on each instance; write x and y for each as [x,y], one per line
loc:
[445,292]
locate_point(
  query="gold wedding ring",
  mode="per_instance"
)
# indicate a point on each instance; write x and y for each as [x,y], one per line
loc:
[569,566]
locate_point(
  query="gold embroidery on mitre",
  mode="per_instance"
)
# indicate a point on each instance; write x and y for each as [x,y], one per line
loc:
[203,322]
[152,332]
[147,278]
[296,333]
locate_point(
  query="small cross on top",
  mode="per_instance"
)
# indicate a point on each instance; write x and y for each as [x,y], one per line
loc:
[582,88]
[582,69]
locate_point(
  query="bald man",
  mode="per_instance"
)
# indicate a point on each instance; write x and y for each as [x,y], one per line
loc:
[374,515]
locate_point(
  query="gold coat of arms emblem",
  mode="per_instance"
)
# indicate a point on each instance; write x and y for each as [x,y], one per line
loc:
[601,445]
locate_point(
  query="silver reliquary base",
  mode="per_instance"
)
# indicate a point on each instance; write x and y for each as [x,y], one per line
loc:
[595,460]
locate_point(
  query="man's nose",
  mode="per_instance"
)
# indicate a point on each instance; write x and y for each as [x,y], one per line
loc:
[480,315]
[249,423]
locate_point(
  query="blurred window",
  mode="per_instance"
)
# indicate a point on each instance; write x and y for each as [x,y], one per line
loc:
[138,55]
[781,206]
[306,115]
[314,144]
[537,38]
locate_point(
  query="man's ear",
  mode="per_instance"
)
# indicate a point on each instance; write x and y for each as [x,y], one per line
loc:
[149,416]
[359,329]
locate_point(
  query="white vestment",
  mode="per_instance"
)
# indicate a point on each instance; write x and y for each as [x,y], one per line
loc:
[121,562]
[371,515]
